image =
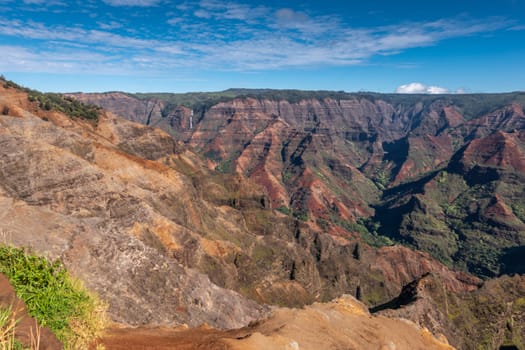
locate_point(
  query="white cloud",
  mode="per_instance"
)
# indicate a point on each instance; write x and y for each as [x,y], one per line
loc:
[139,3]
[227,10]
[233,36]
[286,15]
[286,18]
[44,2]
[418,88]
[110,25]
[202,14]
[174,21]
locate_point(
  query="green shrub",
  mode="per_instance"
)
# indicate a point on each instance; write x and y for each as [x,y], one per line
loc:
[53,297]
[65,104]
[285,210]
[301,215]
[58,102]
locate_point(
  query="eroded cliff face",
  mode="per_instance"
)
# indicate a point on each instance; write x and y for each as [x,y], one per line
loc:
[490,317]
[441,174]
[278,201]
[70,192]
[165,240]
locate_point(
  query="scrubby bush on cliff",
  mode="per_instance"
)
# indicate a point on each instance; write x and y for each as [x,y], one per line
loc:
[57,102]
[54,298]
[66,105]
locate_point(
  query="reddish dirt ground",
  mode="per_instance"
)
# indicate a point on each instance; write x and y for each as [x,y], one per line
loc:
[344,323]
[164,339]
[27,325]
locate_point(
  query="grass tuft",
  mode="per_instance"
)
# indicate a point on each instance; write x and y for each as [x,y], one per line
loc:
[54,298]
[7,329]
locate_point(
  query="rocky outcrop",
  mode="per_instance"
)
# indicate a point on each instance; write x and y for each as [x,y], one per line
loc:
[341,324]
[70,191]
[252,201]
[490,317]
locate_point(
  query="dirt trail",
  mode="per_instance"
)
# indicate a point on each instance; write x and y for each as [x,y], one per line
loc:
[164,339]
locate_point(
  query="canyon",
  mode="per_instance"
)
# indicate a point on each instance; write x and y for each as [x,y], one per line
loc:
[230,208]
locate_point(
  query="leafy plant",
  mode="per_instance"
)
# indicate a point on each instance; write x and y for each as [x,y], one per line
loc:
[54,298]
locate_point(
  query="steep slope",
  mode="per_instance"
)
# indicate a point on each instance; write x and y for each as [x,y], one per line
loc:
[492,317]
[468,213]
[283,207]
[69,192]
[144,222]
[437,173]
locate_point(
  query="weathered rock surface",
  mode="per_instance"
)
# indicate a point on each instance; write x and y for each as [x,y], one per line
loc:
[341,324]
[333,158]
[490,317]
[70,192]
[142,219]
[125,204]
[442,174]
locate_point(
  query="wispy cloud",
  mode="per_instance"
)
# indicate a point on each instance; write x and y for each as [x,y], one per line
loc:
[46,3]
[110,25]
[231,10]
[140,3]
[225,35]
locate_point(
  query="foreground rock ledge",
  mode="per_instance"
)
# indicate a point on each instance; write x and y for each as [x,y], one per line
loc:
[344,323]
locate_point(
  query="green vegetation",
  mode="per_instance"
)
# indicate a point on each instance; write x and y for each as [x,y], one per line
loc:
[200,101]
[8,323]
[8,84]
[471,105]
[285,210]
[56,102]
[323,224]
[54,298]
[381,179]
[457,222]
[66,105]
[366,228]
[301,215]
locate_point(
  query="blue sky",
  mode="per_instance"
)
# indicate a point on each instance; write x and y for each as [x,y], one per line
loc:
[210,45]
